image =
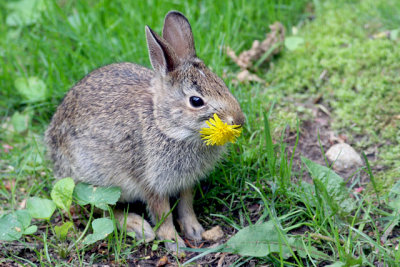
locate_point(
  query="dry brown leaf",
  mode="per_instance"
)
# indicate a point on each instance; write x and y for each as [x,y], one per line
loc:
[9,184]
[162,261]
[7,148]
[381,35]
[22,204]
[246,76]
[213,234]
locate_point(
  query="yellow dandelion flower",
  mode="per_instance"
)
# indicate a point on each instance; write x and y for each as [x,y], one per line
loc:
[219,133]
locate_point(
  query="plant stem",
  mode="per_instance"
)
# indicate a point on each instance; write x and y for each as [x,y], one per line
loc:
[84,231]
[326,238]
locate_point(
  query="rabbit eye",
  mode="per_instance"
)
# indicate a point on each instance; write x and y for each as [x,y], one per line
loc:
[196,101]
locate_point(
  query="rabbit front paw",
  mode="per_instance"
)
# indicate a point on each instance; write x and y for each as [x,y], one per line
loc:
[191,227]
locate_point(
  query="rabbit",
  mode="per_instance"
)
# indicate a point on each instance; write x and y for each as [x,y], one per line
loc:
[129,126]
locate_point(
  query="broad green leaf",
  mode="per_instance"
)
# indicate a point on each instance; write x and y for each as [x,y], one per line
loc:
[32,89]
[24,12]
[101,229]
[131,234]
[304,252]
[30,230]
[23,217]
[293,42]
[62,193]
[349,260]
[40,208]
[62,231]
[10,228]
[14,225]
[34,160]
[334,185]
[394,34]
[394,196]
[257,241]
[262,239]
[20,121]
[154,247]
[98,196]
[352,261]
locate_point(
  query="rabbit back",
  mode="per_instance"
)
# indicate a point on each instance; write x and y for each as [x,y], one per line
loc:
[96,129]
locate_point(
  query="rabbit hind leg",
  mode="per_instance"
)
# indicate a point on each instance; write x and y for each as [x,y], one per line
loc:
[135,223]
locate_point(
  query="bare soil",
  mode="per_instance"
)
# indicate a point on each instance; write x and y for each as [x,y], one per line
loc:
[316,137]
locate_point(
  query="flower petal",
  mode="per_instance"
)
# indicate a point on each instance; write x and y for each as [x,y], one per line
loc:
[219,132]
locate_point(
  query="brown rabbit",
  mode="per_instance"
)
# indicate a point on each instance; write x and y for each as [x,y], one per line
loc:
[129,126]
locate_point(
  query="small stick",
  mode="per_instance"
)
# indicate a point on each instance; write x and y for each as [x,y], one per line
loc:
[326,238]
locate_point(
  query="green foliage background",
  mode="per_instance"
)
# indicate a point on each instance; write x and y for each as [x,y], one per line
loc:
[349,43]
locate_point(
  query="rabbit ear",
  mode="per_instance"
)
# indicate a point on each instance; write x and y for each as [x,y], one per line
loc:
[178,33]
[162,56]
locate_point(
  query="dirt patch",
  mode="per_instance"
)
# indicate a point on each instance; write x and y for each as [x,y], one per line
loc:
[316,137]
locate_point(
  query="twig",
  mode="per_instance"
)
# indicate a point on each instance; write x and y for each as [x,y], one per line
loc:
[326,238]
[221,260]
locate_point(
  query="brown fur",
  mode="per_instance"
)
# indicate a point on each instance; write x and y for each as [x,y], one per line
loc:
[133,127]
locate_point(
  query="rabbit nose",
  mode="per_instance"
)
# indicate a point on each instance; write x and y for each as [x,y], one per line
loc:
[238,120]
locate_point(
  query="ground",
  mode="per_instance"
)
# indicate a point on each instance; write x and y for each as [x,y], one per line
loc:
[338,81]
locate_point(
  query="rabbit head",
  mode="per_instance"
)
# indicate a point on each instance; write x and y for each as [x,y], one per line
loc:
[186,93]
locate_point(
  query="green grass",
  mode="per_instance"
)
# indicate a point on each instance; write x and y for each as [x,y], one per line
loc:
[362,85]
[65,41]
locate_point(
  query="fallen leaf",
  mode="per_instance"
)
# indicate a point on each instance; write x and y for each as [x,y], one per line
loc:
[293,42]
[162,261]
[246,76]
[213,234]
[7,148]
[20,122]
[33,89]
[358,190]
[254,208]
[22,204]
[9,184]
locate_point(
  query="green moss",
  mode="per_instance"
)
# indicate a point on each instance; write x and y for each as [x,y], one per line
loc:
[361,84]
